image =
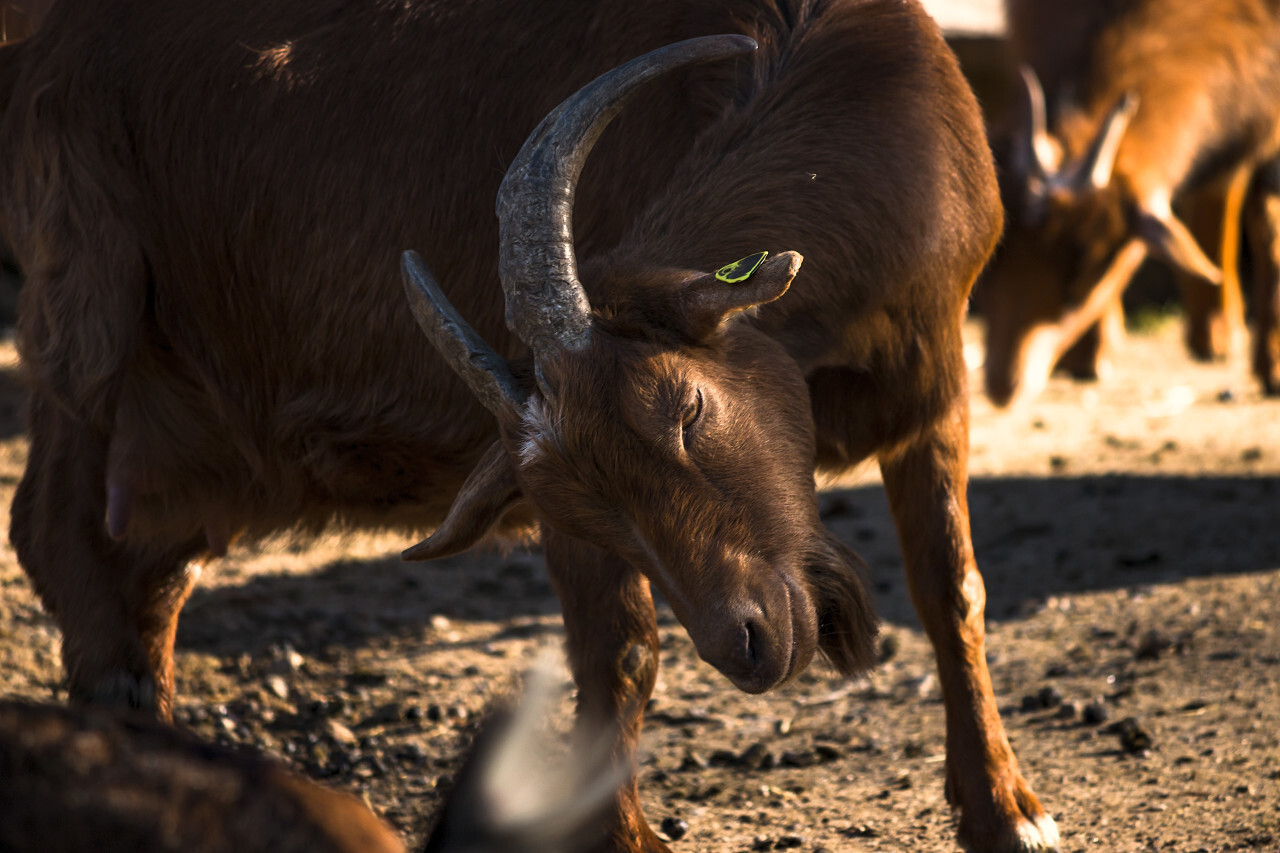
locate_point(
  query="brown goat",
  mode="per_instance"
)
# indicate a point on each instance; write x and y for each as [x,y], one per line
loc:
[1145,104]
[210,201]
[88,781]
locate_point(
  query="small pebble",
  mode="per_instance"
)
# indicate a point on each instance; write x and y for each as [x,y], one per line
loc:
[758,757]
[278,686]
[340,733]
[674,828]
[724,758]
[1094,713]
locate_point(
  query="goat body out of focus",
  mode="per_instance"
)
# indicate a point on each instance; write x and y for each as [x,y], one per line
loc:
[1130,111]
[210,203]
[84,780]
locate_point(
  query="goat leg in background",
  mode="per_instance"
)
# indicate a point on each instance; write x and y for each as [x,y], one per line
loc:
[612,643]
[926,484]
[1215,326]
[1262,219]
[117,608]
[1089,357]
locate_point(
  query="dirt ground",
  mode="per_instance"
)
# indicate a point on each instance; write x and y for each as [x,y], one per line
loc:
[1129,534]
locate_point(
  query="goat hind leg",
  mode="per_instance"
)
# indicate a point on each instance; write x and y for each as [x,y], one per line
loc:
[1215,327]
[1262,218]
[612,639]
[926,483]
[116,610]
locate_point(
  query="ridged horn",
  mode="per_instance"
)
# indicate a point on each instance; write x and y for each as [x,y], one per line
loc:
[546,306]
[485,372]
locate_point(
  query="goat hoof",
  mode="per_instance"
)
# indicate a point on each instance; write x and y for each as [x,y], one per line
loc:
[1038,835]
[1029,834]
[122,691]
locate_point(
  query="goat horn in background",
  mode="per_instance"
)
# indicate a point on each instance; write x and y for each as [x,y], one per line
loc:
[1035,158]
[1094,170]
[485,372]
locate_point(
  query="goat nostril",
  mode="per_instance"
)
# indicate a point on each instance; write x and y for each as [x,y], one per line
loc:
[751,636]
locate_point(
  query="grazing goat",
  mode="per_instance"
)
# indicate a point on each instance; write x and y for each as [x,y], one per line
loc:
[1129,108]
[210,203]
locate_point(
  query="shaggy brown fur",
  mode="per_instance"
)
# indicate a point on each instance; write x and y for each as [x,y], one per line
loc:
[210,202]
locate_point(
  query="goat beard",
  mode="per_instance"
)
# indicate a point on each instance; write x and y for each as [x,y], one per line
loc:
[847,624]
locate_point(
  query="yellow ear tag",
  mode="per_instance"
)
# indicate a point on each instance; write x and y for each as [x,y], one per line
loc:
[741,270]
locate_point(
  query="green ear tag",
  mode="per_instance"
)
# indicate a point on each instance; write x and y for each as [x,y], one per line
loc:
[741,270]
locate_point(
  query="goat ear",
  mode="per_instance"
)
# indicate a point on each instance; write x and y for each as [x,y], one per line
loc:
[709,300]
[487,494]
[1170,240]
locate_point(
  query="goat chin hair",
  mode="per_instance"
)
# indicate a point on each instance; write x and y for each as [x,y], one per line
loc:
[847,623]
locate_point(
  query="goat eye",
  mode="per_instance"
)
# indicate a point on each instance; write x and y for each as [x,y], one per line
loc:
[691,413]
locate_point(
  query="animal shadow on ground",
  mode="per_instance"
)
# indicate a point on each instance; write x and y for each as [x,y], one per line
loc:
[1034,538]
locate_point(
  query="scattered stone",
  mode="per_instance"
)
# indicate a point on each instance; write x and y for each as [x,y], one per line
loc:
[758,757]
[783,726]
[1068,710]
[412,753]
[1045,697]
[724,758]
[693,761]
[789,842]
[340,733]
[889,647]
[1134,739]
[798,759]
[762,842]
[278,686]
[1094,713]
[1151,645]
[826,753]
[674,828]
[1226,395]
[860,831]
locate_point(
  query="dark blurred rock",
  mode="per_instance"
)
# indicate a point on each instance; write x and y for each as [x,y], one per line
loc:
[674,828]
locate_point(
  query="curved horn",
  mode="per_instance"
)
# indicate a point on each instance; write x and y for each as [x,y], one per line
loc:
[1037,154]
[1094,169]
[546,305]
[485,372]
